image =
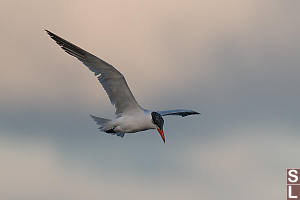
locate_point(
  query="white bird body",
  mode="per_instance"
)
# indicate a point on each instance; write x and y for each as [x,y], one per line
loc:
[131,117]
[135,122]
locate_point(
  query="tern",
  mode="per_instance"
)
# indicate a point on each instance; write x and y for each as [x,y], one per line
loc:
[130,116]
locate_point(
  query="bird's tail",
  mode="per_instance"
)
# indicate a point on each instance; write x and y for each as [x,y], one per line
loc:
[105,126]
[100,121]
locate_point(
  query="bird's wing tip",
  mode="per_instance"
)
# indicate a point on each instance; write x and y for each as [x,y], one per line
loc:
[191,113]
[92,116]
[50,33]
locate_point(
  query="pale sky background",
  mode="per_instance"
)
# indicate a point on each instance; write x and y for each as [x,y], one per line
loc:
[237,62]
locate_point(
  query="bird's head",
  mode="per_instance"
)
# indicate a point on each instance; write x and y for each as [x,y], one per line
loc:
[158,121]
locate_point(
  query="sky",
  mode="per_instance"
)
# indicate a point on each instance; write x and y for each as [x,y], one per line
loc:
[236,62]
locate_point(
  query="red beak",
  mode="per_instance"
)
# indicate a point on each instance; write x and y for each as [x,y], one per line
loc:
[161,132]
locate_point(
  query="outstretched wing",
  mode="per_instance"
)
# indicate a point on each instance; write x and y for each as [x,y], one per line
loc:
[111,79]
[181,112]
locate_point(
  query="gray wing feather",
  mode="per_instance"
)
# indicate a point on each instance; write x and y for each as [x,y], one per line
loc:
[111,79]
[181,112]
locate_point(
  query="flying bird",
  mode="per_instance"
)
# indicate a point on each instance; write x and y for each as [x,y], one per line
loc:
[130,116]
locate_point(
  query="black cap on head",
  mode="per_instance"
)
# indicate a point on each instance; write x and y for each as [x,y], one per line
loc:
[157,120]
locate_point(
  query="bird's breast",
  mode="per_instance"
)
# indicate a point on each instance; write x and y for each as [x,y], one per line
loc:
[135,123]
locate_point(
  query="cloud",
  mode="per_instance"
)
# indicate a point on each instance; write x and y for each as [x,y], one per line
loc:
[237,166]
[205,44]
[236,62]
